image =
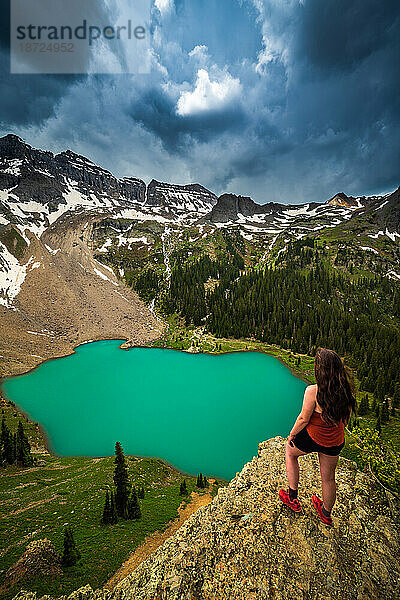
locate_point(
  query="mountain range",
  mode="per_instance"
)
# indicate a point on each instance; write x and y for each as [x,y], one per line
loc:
[62,216]
[37,187]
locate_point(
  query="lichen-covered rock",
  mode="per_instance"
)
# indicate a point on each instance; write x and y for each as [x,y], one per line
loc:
[246,545]
[40,559]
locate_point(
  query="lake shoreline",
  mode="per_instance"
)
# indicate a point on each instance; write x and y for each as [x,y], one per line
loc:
[259,350]
[144,346]
[47,446]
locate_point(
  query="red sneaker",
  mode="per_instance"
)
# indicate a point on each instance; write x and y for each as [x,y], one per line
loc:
[318,504]
[293,504]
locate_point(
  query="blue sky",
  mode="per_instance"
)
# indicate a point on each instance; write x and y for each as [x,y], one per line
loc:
[281,100]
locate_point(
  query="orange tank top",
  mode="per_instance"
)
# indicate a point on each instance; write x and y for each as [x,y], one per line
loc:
[324,434]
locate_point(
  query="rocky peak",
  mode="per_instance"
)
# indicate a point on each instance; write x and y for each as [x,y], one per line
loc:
[13,147]
[60,180]
[187,198]
[229,206]
[196,187]
[246,545]
[341,199]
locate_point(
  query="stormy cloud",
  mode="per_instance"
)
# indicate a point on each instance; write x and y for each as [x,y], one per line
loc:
[283,101]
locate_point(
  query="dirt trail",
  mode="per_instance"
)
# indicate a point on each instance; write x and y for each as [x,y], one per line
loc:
[157,538]
[28,507]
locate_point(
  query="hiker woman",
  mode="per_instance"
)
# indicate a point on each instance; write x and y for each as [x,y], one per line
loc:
[327,407]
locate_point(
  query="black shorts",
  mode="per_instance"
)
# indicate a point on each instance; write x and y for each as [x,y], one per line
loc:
[305,443]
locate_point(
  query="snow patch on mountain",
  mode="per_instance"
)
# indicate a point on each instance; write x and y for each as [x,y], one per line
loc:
[12,167]
[103,276]
[392,234]
[37,188]
[54,252]
[369,248]
[12,275]
[393,275]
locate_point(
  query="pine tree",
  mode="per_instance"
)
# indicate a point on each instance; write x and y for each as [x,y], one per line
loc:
[183,488]
[4,433]
[120,480]
[377,410]
[113,510]
[385,413]
[133,507]
[378,426]
[23,454]
[106,518]
[6,444]
[14,446]
[71,554]
[364,406]
[200,482]
[205,482]
[380,387]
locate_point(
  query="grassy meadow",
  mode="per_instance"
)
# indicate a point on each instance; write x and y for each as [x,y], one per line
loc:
[38,502]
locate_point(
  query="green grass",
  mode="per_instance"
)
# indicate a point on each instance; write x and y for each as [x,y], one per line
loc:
[38,502]
[13,241]
[390,430]
[390,433]
[180,337]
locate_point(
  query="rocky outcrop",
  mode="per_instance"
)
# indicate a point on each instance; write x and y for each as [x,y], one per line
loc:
[377,217]
[230,207]
[40,559]
[246,545]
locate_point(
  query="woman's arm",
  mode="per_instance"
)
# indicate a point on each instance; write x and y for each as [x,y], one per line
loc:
[306,412]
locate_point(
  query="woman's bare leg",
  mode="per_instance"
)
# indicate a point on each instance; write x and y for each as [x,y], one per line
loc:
[327,466]
[292,465]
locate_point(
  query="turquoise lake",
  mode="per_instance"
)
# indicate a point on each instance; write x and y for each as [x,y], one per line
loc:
[196,411]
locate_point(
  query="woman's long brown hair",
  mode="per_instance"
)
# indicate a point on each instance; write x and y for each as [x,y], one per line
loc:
[335,393]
